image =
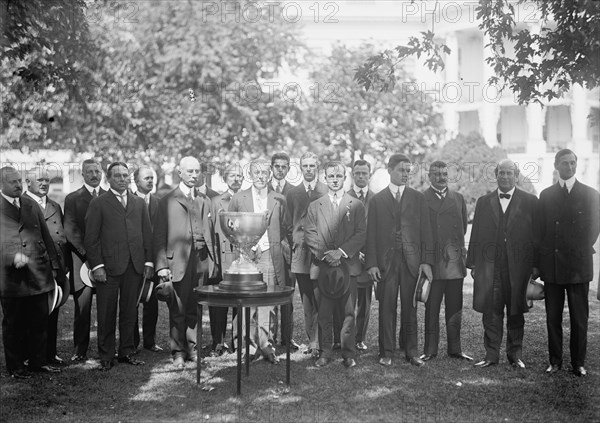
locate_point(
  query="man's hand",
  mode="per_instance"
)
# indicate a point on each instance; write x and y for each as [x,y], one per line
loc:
[100,275]
[426,268]
[374,273]
[165,275]
[332,257]
[21,260]
[535,273]
[148,272]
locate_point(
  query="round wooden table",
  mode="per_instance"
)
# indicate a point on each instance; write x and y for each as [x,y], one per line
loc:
[212,295]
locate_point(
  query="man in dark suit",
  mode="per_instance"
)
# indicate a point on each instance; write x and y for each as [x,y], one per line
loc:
[568,225]
[448,221]
[143,177]
[501,255]
[118,241]
[399,246]
[27,262]
[335,232]
[76,205]
[38,185]
[280,166]
[233,176]
[361,173]
[298,199]
[185,256]
[268,251]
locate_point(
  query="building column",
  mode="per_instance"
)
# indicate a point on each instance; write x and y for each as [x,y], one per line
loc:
[535,126]
[490,110]
[579,122]
[451,117]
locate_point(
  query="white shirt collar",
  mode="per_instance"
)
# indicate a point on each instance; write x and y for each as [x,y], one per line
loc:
[91,188]
[277,183]
[11,200]
[394,188]
[262,194]
[311,184]
[39,200]
[338,195]
[117,194]
[185,189]
[511,193]
[570,182]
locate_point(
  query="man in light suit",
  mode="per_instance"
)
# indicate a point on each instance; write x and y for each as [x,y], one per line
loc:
[568,224]
[501,255]
[361,172]
[27,262]
[38,185]
[233,177]
[185,256]
[335,232]
[298,199]
[448,218]
[268,251]
[118,241]
[280,166]
[143,177]
[399,247]
[76,205]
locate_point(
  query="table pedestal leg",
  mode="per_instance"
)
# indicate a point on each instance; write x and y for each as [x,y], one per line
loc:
[199,341]
[239,349]
[247,311]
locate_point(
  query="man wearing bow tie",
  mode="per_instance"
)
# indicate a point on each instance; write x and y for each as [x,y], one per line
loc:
[568,227]
[361,172]
[233,177]
[298,200]
[501,255]
[143,177]
[38,185]
[399,246]
[268,251]
[27,262]
[76,205]
[280,166]
[185,256]
[118,241]
[448,218]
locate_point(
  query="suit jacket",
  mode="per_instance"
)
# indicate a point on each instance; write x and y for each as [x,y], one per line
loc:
[225,248]
[286,187]
[448,221]
[417,241]
[115,235]
[348,231]
[24,231]
[567,230]
[364,280]
[76,205]
[297,208]
[173,238]
[521,248]
[243,201]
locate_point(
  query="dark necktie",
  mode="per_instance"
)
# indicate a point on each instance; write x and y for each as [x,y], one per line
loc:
[278,188]
[123,199]
[439,193]
[398,196]
[335,201]
[507,196]
[309,192]
[16,204]
[565,190]
[361,196]
[94,193]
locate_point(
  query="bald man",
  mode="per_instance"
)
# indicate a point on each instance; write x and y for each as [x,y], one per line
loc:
[501,258]
[184,248]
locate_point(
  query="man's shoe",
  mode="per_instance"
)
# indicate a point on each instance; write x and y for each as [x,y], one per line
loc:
[416,361]
[129,359]
[385,361]
[56,361]
[272,358]
[106,365]
[361,346]
[337,346]
[20,374]
[427,357]
[293,345]
[78,358]
[553,368]
[179,362]
[322,362]
[154,348]
[579,371]
[518,363]
[461,356]
[349,362]
[485,363]
[45,369]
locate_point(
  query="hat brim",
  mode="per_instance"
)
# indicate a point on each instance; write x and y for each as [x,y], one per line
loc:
[329,280]
[54,298]
[145,291]
[86,275]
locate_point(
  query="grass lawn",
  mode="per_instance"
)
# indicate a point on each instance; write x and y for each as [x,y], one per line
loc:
[444,390]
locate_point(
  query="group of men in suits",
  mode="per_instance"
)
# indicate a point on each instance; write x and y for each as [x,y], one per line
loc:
[337,246]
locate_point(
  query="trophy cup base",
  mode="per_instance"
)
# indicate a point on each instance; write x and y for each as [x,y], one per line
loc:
[242,282]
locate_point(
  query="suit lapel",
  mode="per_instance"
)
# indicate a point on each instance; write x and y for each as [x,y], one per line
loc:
[50,209]
[325,208]
[9,210]
[515,208]
[112,199]
[495,206]
[447,201]
[248,201]
[404,200]
[181,199]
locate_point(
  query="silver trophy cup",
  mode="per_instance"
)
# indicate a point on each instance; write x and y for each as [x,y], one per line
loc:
[244,230]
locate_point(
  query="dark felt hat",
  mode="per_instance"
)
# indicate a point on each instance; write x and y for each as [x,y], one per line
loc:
[334,282]
[146,291]
[164,291]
